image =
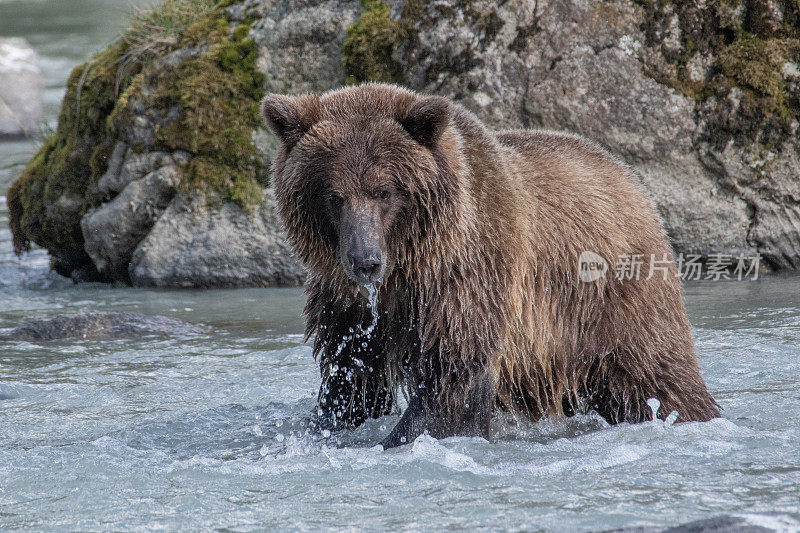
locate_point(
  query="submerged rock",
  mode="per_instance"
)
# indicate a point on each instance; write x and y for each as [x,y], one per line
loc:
[736,523]
[99,326]
[21,87]
[157,174]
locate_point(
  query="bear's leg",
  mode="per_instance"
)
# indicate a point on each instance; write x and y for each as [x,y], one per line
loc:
[351,392]
[453,409]
[355,383]
[618,388]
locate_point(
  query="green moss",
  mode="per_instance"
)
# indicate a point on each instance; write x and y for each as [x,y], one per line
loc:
[122,101]
[370,42]
[155,31]
[208,104]
[23,193]
[754,64]
[50,195]
[748,53]
[218,94]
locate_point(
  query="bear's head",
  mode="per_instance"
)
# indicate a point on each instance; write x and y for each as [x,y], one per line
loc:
[360,175]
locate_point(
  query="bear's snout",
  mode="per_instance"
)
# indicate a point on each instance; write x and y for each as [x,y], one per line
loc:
[366,264]
[361,254]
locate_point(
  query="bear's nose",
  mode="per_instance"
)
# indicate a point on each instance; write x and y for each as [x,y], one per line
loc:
[366,266]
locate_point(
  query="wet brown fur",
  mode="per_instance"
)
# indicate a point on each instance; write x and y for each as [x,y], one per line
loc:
[481,305]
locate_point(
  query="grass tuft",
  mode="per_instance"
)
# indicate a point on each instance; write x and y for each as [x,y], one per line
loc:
[156,30]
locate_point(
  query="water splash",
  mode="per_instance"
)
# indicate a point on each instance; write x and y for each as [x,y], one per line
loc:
[654,404]
[361,332]
[671,418]
[372,301]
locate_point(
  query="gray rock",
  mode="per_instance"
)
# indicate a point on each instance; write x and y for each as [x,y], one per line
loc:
[21,88]
[300,42]
[735,523]
[310,30]
[108,181]
[112,231]
[195,244]
[606,96]
[767,181]
[126,166]
[100,326]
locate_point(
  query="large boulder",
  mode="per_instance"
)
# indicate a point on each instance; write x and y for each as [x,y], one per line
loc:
[158,173]
[21,87]
[153,176]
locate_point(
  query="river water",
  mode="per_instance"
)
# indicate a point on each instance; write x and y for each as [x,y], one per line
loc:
[208,430]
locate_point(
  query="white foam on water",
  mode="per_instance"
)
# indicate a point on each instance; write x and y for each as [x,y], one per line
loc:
[605,458]
[430,449]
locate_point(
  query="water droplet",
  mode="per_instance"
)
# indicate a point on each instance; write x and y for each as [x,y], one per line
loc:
[279,437]
[671,418]
[654,405]
[326,434]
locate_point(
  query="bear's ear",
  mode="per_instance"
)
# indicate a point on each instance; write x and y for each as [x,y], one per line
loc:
[290,117]
[427,120]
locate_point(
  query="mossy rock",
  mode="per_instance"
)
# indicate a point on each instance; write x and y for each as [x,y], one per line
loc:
[48,200]
[205,105]
[755,65]
[371,41]
[749,46]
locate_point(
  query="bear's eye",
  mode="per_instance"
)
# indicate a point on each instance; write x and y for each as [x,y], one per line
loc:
[334,201]
[384,194]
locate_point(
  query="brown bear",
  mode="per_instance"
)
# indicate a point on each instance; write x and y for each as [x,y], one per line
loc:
[471,240]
